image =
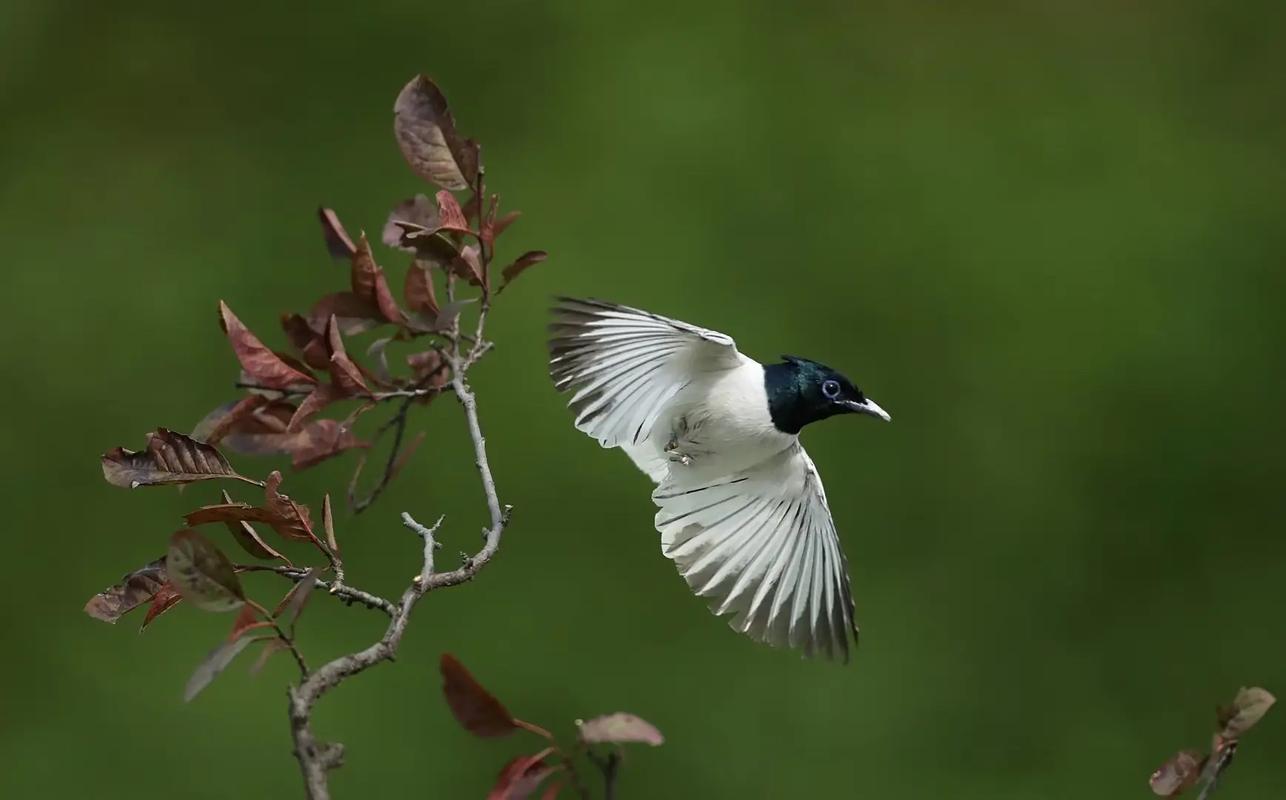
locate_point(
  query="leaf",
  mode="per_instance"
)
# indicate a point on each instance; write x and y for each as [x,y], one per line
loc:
[474,707]
[502,224]
[521,264]
[418,290]
[1177,774]
[307,341]
[313,403]
[166,597]
[338,242]
[294,519]
[293,603]
[170,458]
[552,790]
[468,265]
[215,425]
[521,776]
[1248,708]
[202,573]
[131,591]
[429,369]
[346,375]
[417,212]
[216,662]
[321,440]
[450,312]
[426,134]
[263,366]
[246,536]
[376,352]
[247,620]
[328,523]
[370,284]
[620,728]
[270,645]
[450,216]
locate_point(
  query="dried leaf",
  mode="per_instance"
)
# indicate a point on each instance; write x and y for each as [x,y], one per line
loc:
[502,224]
[167,597]
[246,536]
[521,776]
[619,728]
[270,646]
[347,377]
[1177,774]
[202,573]
[428,139]
[521,264]
[131,591]
[468,265]
[474,707]
[450,216]
[376,353]
[321,440]
[428,245]
[370,284]
[448,315]
[264,367]
[294,518]
[293,603]
[310,344]
[338,242]
[170,458]
[417,212]
[313,403]
[1248,708]
[418,290]
[216,662]
[552,790]
[429,369]
[247,620]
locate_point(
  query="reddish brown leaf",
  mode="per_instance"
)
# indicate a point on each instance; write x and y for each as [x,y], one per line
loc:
[347,377]
[246,536]
[521,265]
[294,517]
[1177,774]
[292,604]
[202,573]
[474,707]
[428,139]
[502,224]
[321,440]
[262,365]
[167,597]
[450,216]
[314,402]
[247,620]
[468,265]
[521,776]
[418,290]
[1247,709]
[338,242]
[308,342]
[328,523]
[133,590]
[552,790]
[487,228]
[620,728]
[429,368]
[355,314]
[418,213]
[370,284]
[225,418]
[170,458]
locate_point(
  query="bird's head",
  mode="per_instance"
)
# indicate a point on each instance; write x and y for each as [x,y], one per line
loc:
[801,391]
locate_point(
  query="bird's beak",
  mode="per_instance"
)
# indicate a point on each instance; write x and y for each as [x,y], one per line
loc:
[867,407]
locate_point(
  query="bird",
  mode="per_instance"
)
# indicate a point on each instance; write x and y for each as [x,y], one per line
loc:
[740,505]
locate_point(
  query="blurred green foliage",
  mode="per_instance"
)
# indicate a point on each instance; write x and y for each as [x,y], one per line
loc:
[1046,236]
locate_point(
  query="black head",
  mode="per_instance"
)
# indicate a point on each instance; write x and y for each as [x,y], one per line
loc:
[802,391]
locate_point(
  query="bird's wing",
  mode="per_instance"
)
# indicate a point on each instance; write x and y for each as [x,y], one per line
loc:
[761,545]
[623,365]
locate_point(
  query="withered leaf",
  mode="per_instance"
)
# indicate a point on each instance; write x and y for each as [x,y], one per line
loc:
[202,573]
[1176,774]
[133,590]
[216,662]
[321,440]
[1247,709]
[270,646]
[552,790]
[310,344]
[293,603]
[428,245]
[355,315]
[167,597]
[264,367]
[429,368]
[338,242]
[314,402]
[170,458]
[370,284]
[247,620]
[347,377]
[521,264]
[468,265]
[328,523]
[502,224]
[246,536]
[428,139]
[417,212]
[620,728]
[376,352]
[474,707]
[521,776]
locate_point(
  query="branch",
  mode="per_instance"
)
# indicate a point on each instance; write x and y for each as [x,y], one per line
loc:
[1215,766]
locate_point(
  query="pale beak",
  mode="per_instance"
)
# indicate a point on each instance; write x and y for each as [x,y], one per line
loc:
[868,407]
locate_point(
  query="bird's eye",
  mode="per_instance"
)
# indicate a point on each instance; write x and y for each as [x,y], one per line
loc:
[830,389]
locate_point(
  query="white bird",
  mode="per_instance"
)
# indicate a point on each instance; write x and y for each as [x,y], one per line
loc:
[742,512]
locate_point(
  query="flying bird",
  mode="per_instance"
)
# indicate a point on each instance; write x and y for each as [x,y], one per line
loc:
[742,512]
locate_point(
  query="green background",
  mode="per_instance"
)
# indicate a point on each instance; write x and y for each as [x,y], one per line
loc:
[1046,236]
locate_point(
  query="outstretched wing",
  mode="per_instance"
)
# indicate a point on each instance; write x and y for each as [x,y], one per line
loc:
[760,543]
[624,365]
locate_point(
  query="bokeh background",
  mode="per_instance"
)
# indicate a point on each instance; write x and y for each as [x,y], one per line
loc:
[1046,236]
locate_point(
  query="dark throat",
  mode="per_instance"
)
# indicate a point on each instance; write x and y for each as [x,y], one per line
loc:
[785,387]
